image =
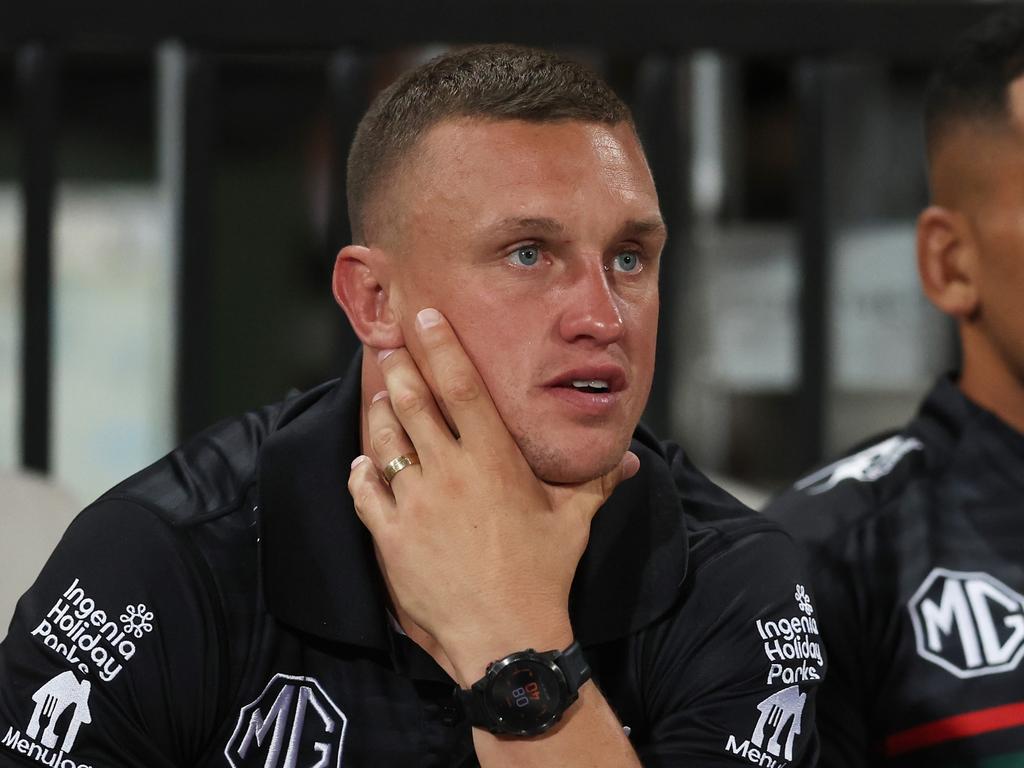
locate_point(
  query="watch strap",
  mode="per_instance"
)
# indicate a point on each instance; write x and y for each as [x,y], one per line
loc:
[472,701]
[574,667]
[571,662]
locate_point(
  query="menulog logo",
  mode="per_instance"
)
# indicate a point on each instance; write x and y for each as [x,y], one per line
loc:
[61,709]
[293,724]
[968,623]
[778,725]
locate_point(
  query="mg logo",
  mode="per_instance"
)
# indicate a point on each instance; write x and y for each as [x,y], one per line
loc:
[968,623]
[293,724]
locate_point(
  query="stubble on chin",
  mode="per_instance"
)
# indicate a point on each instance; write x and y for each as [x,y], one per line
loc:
[555,465]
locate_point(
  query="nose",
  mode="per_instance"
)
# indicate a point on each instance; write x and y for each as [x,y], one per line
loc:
[591,309]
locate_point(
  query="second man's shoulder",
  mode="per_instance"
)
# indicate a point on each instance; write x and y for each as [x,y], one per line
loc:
[868,479]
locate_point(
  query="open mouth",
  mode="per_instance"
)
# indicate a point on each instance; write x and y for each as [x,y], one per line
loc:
[593,386]
[591,380]
[595,391]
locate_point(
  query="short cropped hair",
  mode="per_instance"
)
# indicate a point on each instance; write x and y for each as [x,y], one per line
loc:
[973,83]
[499,82]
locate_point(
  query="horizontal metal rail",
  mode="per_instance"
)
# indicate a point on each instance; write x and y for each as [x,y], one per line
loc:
[895,28]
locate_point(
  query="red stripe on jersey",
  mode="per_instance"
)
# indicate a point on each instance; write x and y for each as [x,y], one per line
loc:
[956,727]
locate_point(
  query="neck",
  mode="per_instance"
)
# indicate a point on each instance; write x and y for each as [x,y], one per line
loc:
[988,380]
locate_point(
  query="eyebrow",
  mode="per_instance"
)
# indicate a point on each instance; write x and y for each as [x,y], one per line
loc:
[652,225]
[538,224]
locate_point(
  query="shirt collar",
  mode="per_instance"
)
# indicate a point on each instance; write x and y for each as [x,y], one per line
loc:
[948,417]
[320,574]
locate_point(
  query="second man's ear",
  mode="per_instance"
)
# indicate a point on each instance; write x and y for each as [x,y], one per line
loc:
[947,261]
[361,284]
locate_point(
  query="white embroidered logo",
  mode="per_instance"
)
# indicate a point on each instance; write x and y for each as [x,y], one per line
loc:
[51,700]
[137,620]
[62,708]
[866,466]
[293,719]
[780,716]
[792,645]
[89,638]
[968,623]
[803,600]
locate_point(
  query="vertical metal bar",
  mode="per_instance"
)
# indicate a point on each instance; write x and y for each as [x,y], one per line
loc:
[348,84]
[37,83]
[194,295]
[169,122]
[663,133]
[348,88]
[815,258]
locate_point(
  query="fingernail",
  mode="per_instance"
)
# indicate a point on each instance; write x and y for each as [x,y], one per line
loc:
[379,396]
[428,318]
[383,355]
[632,465]
[359,460]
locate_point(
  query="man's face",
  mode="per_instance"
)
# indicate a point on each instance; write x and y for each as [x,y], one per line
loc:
[540,244]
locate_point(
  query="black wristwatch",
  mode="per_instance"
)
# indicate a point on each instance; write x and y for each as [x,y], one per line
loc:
[527,692]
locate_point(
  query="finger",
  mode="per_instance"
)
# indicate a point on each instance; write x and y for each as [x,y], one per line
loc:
[459,384]
[388,439]
[413,404]
[594,493]
[373,500]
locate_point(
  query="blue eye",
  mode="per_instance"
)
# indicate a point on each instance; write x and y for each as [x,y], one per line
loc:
[627,261]
[526,255]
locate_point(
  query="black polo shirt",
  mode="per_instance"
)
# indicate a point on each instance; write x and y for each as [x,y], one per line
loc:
[916,544]
[224,608]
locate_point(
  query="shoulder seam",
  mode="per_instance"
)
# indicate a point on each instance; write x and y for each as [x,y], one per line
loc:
[869,514]
[199,519]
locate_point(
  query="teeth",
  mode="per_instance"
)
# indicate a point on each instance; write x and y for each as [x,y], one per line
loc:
[590,383]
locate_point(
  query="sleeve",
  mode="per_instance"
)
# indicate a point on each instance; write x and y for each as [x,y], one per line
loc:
[732,679]
[111,654]
[844,703]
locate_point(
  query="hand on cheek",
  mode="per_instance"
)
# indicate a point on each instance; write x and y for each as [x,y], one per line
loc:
[478,551]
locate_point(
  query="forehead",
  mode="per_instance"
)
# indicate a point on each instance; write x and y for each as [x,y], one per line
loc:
[476,170]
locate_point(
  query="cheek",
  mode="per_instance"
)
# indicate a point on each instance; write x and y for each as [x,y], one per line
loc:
[1001,237]
[1002,270]
[497,341]
[642,319]
[1001,285]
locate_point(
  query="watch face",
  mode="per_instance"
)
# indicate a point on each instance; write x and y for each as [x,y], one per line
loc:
[526,695]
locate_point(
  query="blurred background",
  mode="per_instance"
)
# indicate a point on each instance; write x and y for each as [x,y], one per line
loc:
[172,198]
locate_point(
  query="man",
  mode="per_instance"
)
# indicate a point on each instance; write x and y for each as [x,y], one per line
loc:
[475,595]
[916,541]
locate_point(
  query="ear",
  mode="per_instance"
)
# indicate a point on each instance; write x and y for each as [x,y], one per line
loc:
[360,288]
[947,256]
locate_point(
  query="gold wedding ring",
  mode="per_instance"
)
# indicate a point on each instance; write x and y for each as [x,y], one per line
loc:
[399,463]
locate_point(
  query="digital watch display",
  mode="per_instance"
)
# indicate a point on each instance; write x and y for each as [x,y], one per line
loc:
[526,693]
